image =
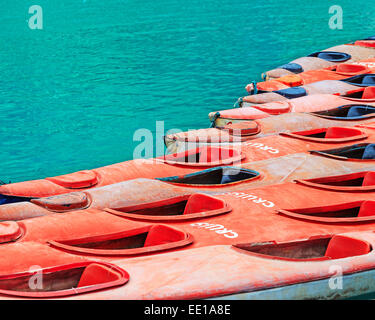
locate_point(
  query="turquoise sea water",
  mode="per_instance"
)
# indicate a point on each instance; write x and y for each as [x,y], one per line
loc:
[72,94]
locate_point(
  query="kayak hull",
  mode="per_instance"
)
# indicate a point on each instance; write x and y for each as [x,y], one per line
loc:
[124,194]
[359,51]
[269,126]
[186,162]
[332,87]
[238,270]
[337,72]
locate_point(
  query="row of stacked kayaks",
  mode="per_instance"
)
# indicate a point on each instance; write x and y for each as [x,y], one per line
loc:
[276,200]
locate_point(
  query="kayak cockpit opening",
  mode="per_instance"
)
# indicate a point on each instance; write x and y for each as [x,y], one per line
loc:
[331,56]
[331,135]
[362,151]
[313,249]
[367,94]
[352,212]
[359,181]
[204,156]
[214,177]
[186,207]
[362,80]
[244,128]
[64,280]
[147,239]
[347,112]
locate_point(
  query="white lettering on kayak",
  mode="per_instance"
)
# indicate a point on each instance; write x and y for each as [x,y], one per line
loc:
[262,146]
[251,197]
[218,228]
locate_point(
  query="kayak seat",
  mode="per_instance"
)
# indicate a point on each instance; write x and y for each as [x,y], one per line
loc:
[300,250]
[343,247]
[341,132]
[362,80]
[292,93]
[134,241]
[369,93]
[350,182]
[64,280]
[226,178]
[177,208]
[367,209]
[369,179]
[369,152]
[312,249]
[359,111]
[331,56]
[292,67]
[202,203]
[353,211]
[159,234]
[368,79]
[349,111]
[363,151]
[95,274]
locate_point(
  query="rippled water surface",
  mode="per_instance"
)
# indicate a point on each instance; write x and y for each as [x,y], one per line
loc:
[73,94]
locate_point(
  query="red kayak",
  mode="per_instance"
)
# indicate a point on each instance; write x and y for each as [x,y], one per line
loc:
[140,251]
[191,161]
[209,181]
[347,53]
[233,126]
[215,272]
[337,72]
[353,87]
[322,103]
[313,103]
